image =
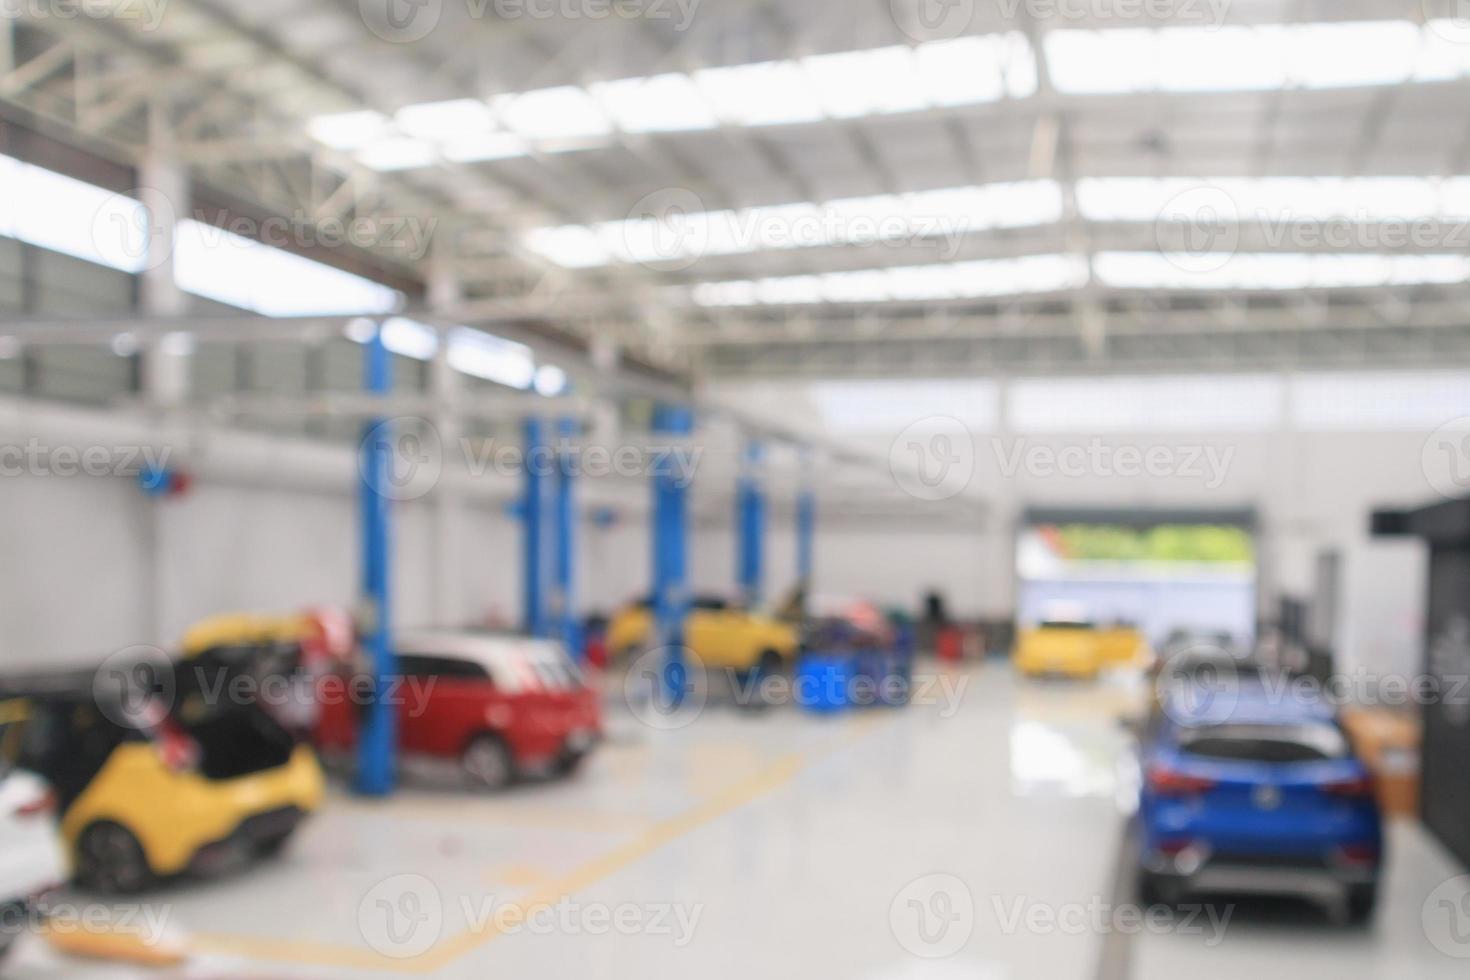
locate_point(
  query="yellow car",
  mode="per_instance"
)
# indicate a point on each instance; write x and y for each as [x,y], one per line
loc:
[720,635]
[1122,646]
[142,795]
[1072,649]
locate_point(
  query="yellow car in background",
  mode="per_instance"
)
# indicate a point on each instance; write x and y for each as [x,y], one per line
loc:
[1071,649]
[1122,646]
[721,635]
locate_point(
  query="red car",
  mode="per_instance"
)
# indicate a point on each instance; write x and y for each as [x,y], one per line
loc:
[501,705]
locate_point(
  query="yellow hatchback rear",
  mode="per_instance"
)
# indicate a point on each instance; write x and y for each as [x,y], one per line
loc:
[1067,649]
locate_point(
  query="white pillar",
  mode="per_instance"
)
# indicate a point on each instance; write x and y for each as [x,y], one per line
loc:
[163,189]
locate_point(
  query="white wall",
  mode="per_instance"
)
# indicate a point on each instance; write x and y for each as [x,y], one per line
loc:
[271,525]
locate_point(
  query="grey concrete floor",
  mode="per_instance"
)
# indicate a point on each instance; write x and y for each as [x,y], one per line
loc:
[974,836]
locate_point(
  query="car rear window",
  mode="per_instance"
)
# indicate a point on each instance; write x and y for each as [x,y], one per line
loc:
[1267,743]
[1058,624]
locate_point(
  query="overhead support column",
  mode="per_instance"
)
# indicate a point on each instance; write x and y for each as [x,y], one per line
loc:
[164,192]
[377,746]
[670,551]
[536,541]
[564,594]
[750,523]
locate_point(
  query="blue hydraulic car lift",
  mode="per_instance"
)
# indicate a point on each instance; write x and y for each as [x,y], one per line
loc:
[750,521]
[670,550]
[535,511]
[565,594]
[806,528]
[377,746]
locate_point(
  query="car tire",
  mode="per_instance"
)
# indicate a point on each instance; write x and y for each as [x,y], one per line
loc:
[1157,890]
[1362,902]
[111,860]
[272,847]
[487,762]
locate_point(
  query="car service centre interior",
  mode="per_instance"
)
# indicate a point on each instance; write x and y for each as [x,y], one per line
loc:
[873,489]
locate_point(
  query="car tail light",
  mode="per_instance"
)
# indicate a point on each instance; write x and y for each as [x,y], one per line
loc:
[1174,846]
[1359,855]
[179,752]
[1167,782]
[39,807]
[1357,788]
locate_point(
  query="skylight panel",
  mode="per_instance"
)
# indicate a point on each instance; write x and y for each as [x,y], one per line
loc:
[569,246]
[789,289]
[398,153]
[868,286]
[1266,57]
[770,93]
[863,83]
[441,121]
[491,358]
[1349,54]
[349,130]
[991,277]
[942,214]
[410,338]
[241,272]
[1102,62]
[1273,271]
[660,104]
[976,69]
[563,113]
[1204,59]
[59,213]
[484,146]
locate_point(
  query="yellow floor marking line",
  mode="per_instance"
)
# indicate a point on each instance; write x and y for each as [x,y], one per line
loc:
[662,833]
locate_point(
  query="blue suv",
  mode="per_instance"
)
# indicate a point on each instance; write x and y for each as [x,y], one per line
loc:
[1257,796]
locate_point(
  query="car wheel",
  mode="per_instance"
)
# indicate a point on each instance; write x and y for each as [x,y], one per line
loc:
[487,762]
[111,860]
[1155,889]
[271,847]
[1362,900]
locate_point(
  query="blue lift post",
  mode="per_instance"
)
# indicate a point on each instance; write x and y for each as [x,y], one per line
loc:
[750,520]
[670,551]
[566,540]
[806,527]
[536,569]
[377,747]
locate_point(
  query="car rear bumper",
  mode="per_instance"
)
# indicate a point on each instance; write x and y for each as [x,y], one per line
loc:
[253,832]
[1261,875]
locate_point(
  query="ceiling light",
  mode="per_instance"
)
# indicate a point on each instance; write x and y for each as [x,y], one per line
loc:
[397,153]
[566,112]
[769,93]
[348,130]
[445,120]
[661,104]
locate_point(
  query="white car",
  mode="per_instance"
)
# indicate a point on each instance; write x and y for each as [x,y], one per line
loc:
[31,859]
